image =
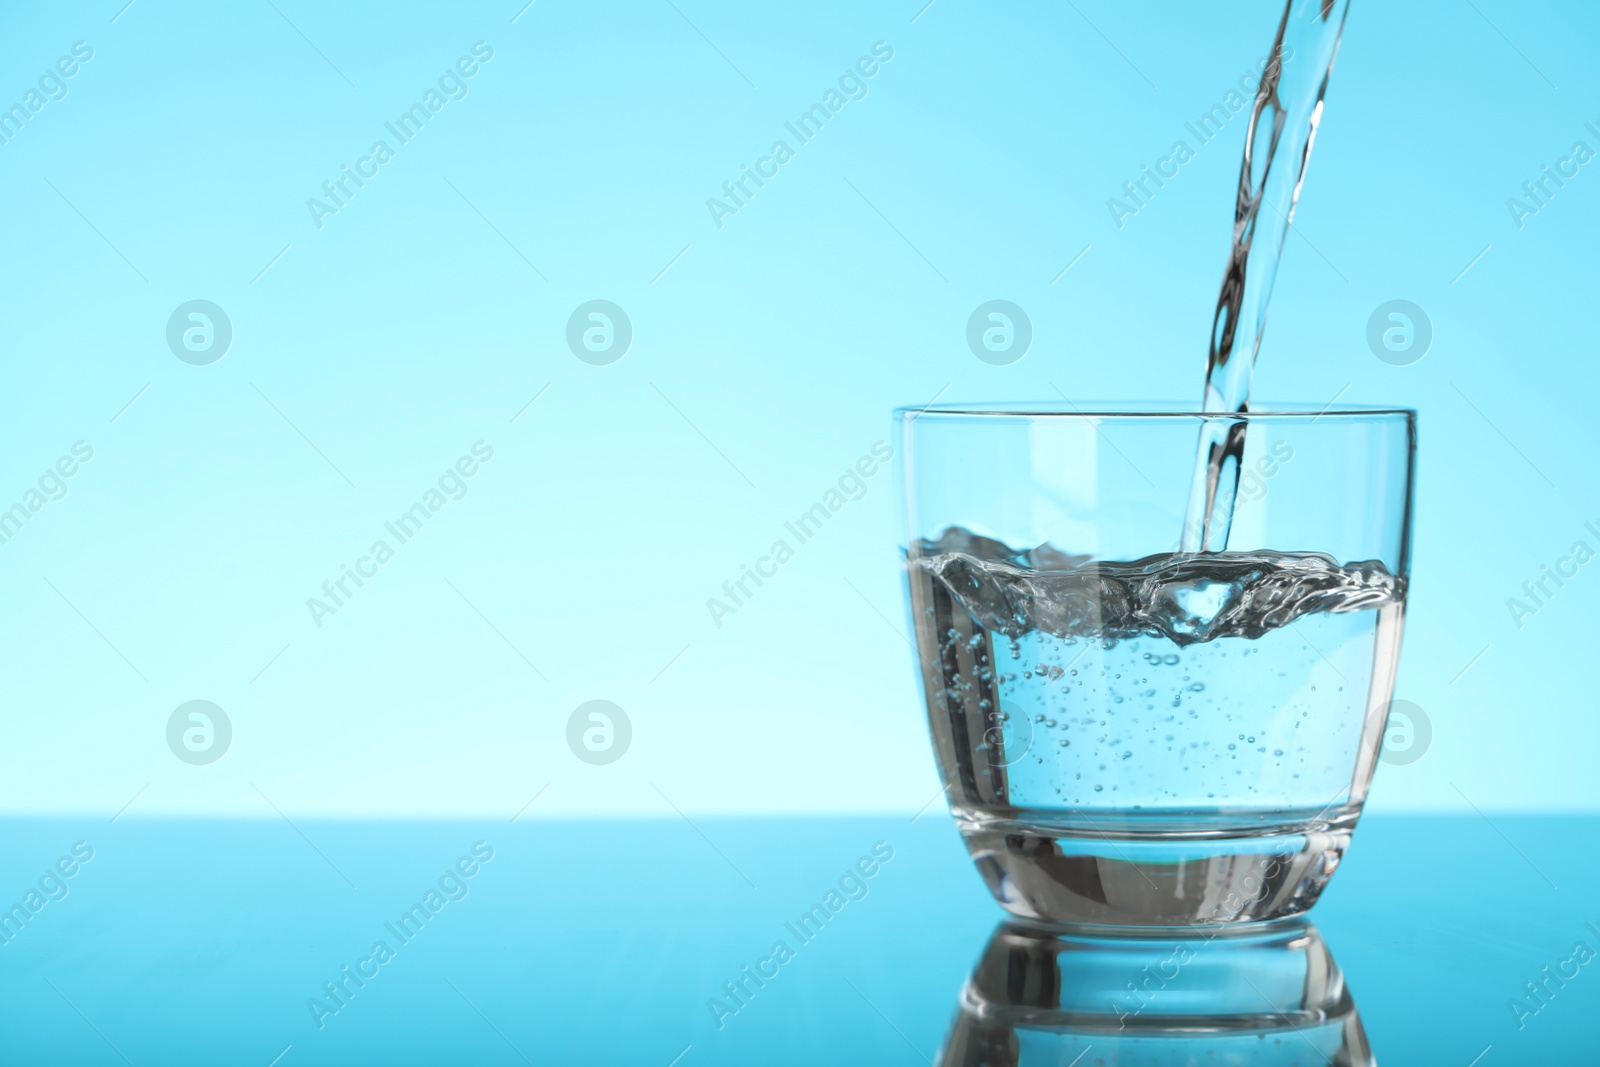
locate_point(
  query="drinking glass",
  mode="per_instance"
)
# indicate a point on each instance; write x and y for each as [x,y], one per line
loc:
[1132,736]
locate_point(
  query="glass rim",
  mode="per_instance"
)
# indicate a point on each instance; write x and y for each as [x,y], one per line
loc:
[1100,409]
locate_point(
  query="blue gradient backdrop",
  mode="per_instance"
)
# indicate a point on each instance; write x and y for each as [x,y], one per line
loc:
[372,351]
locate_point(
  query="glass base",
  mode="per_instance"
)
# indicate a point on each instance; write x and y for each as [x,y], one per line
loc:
[1122,877]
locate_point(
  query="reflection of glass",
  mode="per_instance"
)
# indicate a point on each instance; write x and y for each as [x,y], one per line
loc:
[1132,735]
[1272,997]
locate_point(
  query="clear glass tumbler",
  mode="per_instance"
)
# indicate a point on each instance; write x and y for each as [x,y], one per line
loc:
[1135,736]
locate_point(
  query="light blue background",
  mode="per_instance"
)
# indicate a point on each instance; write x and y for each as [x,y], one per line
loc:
[765,360]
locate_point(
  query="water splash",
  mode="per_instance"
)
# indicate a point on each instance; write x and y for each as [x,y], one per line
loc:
[1277,147]
[1183,598]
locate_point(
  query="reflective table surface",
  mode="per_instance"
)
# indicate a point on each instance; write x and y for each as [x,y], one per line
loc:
[1442,940]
